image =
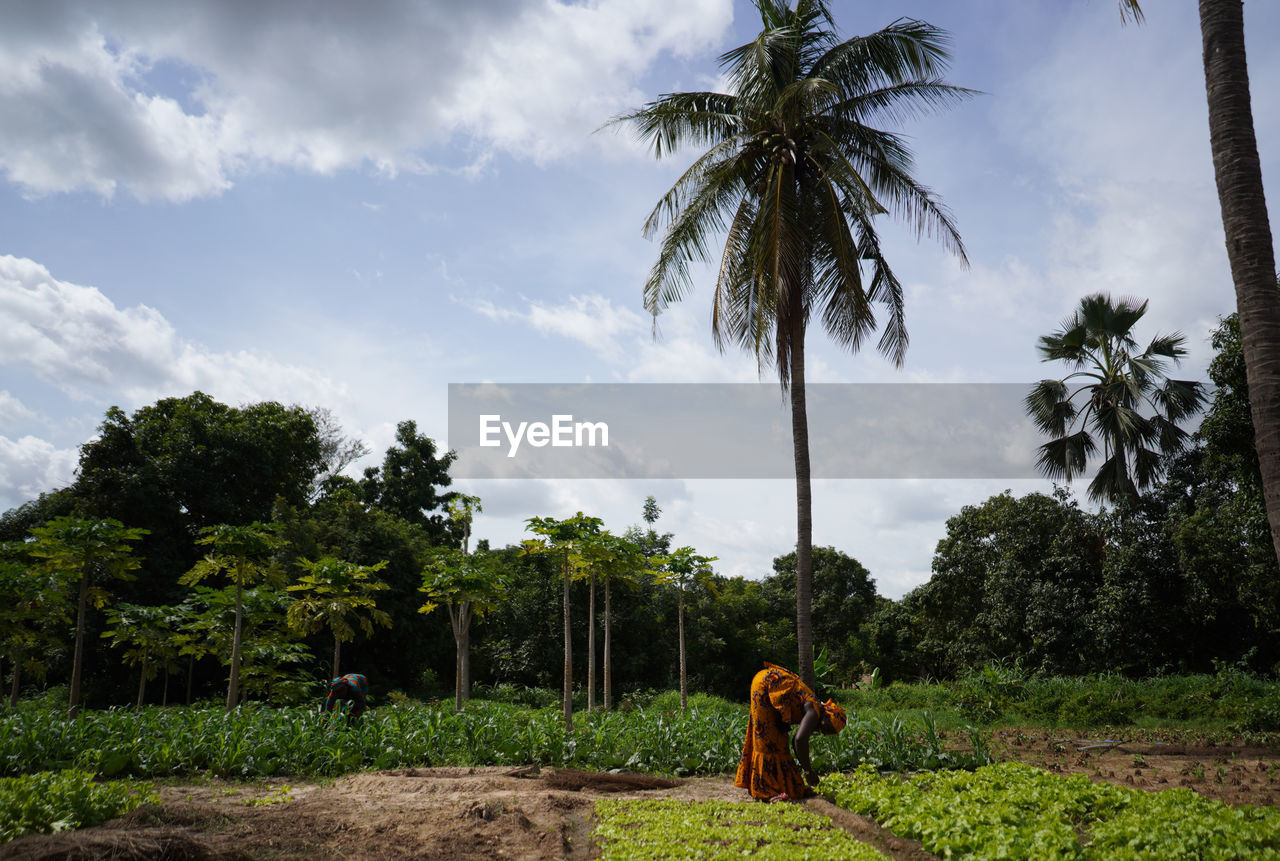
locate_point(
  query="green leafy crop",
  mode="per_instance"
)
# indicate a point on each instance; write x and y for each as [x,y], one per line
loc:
[63,800]
[1012,810]
[629,830]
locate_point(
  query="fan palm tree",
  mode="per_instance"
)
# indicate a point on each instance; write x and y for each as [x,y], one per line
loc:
[1097,342]
[794,174]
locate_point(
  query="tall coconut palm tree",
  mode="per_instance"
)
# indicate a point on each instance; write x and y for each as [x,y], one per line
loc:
[1115,383]
[795,172]
[1238,173]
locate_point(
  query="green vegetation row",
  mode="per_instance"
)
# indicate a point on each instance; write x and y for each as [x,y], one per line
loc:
[1229,700]
[630,830]
[260,741]
[1011,810]
[64,800]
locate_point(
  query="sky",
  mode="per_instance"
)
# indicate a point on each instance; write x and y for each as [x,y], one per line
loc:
[354,206]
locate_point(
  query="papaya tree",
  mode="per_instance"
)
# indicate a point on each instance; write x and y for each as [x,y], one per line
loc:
[145,634]
[468,585]
[243,554]
[334,594]
[565,540]
[30,611]
[685,569]
[86,552]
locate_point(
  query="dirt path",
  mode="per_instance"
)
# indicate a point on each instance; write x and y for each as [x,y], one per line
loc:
[437,813]
[467,813]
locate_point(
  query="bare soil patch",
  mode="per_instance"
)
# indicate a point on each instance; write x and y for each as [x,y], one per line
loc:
[532,813]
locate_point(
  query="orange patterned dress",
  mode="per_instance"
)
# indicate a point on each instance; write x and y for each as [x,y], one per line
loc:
[767,767]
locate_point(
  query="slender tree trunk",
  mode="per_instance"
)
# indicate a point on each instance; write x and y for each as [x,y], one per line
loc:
[460,620]
[17,681]
[164,696]
[337,656]
[77,663]
[684,687]
[608,655]
[465,663]
[1238,173]
[591,641]
[142,685]
[233,685]
[804,502]
[566,700]
[464,652]
[191,677]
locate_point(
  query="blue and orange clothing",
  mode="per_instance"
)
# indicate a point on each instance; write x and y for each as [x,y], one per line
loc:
[767,767]
[353,688]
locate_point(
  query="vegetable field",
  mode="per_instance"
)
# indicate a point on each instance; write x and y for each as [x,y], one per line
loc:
[498,779]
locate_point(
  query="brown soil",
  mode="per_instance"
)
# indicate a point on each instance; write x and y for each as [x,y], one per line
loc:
[457,813]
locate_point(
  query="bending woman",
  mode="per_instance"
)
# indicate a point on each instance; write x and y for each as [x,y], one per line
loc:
[779,699]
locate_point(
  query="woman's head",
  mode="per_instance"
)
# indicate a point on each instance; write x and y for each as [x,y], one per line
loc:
[833,718]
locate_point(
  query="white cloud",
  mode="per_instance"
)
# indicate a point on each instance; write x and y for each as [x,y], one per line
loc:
[12,410]
[175,101]
[75,339]
[31,466]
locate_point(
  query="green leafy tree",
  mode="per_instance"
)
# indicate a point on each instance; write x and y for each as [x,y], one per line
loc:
[85,552]
[685,570]
[145,635]
[1115,384]
[1012,578]
[795,175]
[31,608]
[844,597]
[184,464]
[273,663]
[615,561]
[337,596]
[243,554]
[342,526]
[406,483]
[468,585]
[566,540]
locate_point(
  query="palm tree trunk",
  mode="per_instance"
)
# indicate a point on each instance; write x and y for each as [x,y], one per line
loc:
[804,501]
[191,677]
[591,642]
[77,663]
[233,685]
[608,655]
[1238,173]
[684,687]
[337,656]
[142,685]
[566,700]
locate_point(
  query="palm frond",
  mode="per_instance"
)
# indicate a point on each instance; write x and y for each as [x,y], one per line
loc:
[1063,458]
[899,103]
[677,120]
[1049,407]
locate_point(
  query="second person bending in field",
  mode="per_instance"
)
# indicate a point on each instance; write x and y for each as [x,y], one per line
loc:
[780,699]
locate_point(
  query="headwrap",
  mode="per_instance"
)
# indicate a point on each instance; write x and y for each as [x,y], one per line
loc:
[835,714]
